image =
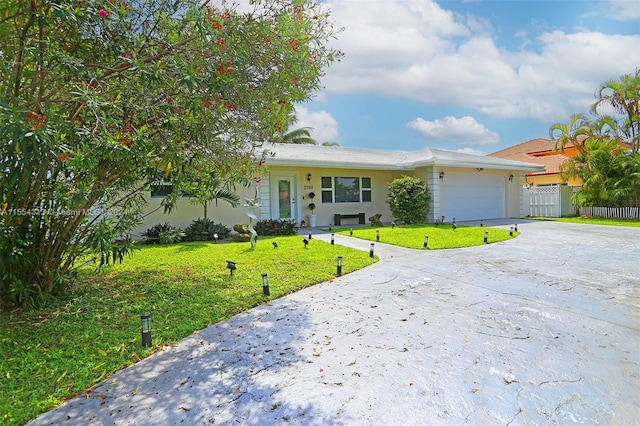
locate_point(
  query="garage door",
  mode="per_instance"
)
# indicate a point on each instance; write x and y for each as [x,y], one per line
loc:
[472,197]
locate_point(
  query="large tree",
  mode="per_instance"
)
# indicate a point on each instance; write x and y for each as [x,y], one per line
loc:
[99,99]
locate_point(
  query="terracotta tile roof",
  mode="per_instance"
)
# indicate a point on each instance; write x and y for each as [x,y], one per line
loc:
[538,151]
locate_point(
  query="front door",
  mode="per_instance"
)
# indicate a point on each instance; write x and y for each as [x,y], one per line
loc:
[284,189]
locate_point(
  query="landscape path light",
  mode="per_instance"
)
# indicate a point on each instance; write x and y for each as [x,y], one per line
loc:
[351,232]
[511,231]
[265,284]
[426,241]
[231,266]
[275,245]
[371,250]
[377,235]
[305,242]
[145,320]
[215,238]
[516,227]
[486,236]
[333,236]
[339,266]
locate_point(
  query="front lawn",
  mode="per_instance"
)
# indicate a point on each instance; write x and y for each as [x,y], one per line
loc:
[440,237]
[54,353]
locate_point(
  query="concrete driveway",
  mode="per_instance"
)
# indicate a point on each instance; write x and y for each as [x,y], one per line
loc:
[542,329]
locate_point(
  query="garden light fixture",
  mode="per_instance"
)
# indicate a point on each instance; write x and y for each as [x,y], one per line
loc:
[231,266]
[377,235]
[426,241]
[145,319]
[265,285]
[309,233]
[393,224]
[481,223]
[339,267]
[511,231]
[486,236]
[333,239]
[515,228]
[371,250]
[215,238]
[351,232]
[275,245]
[305,242]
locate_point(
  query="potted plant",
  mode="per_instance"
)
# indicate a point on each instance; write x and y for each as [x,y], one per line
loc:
[313,218]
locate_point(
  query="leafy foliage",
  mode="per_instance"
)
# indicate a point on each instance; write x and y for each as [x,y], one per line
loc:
[98,100]
[608,160]
[409,199]
[162,233]
[276,227]
[205,230]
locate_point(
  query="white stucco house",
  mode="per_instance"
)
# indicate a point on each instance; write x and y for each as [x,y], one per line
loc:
[347,184]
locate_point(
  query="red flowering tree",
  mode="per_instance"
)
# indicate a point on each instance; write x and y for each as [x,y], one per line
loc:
[98,99]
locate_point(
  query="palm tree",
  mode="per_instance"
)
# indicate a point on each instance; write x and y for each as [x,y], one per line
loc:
[623,96]
[301,135]
[575,133]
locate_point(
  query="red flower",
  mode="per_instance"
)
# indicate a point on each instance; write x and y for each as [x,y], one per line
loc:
[102,13]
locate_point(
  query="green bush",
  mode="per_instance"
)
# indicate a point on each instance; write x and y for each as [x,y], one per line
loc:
[276,227]
[162,233]
[205,230]
[409,199]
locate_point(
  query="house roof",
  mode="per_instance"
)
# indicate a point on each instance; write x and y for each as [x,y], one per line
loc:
[539,151]
[355,158]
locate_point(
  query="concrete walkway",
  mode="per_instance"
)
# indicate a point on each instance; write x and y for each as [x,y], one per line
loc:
[541,329]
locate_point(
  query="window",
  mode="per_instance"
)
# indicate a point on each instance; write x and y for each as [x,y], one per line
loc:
[161,189]
[346,189]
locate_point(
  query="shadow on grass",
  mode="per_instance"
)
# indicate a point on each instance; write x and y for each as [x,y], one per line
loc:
[228,373]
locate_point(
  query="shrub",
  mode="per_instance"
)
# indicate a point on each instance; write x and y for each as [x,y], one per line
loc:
[162,233]
[409,199]
[205,230]
[276,227]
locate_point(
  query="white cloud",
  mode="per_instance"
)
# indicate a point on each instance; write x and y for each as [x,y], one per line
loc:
[623,10]
[464,131]
[418,50]
[324,126]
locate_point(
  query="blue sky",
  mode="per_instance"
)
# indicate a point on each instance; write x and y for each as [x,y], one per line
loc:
[472,76]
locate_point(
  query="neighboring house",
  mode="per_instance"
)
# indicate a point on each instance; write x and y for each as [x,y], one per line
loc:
[346,181]
[540,151]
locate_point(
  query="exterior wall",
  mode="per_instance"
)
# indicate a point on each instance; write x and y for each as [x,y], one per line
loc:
[380,180]
[186,212]
[223,213]
[552,179]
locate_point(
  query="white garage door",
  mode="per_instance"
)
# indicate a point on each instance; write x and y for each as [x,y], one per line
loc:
[472,197]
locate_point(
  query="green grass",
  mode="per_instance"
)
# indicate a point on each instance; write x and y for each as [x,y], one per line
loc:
[440,237]
[592,221]
[51,354]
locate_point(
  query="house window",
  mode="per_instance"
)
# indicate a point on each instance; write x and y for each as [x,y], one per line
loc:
[341,189]
[161,189]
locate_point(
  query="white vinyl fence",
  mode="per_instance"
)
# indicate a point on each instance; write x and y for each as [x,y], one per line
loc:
[548,201]
[611,212]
